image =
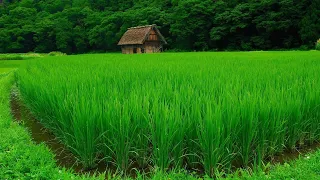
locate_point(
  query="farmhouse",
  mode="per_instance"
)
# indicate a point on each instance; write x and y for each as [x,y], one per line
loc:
[142,39]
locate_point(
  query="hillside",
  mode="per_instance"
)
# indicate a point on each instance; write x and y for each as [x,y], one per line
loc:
[80,26]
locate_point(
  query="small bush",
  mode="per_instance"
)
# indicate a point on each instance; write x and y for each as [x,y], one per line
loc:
[57,53]
[32,54]
[303,48]
[11,57]
[318,45]
[176,50]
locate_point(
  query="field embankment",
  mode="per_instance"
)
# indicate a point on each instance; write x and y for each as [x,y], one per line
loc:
[200,111]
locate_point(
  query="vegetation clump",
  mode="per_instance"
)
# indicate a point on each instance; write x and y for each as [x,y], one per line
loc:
[10,57]
[20,56]
[56,53]
[318,45]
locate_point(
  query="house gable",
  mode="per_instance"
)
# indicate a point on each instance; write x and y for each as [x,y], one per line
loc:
[138,35]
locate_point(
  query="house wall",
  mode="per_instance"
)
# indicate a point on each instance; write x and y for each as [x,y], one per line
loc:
[123,49]
[148,48]
[129,49]
[152,46]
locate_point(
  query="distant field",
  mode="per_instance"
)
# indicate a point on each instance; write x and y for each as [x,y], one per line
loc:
[9,62]
[8,65]
[211,111]
[20,56]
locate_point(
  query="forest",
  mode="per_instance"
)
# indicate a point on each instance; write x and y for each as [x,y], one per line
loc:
[82,26]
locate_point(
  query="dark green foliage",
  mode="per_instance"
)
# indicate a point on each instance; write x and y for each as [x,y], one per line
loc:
[81,26]
[318,45]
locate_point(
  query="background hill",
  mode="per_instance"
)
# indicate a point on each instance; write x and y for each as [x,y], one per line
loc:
[80,26]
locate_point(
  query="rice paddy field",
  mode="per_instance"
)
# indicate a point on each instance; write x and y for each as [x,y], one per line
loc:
[197,111]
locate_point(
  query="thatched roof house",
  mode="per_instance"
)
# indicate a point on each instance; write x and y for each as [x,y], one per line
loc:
[142,39]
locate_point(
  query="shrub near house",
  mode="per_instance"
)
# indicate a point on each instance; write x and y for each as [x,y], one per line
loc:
[318,45]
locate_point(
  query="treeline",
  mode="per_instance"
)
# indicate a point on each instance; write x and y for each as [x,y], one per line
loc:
[80,26]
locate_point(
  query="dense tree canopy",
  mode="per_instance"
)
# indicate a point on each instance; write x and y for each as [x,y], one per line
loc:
[79,26]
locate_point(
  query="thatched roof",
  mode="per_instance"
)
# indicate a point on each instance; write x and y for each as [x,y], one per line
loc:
[138,35]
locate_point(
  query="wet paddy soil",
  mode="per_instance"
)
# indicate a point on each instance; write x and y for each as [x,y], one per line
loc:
[65,158]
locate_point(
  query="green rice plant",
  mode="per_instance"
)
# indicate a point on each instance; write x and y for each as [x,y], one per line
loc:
[178,148]
[231,124]
[248,131]
[192,115]
[163,131]
[84,133]
[140,119]
[121,134]
[210,139]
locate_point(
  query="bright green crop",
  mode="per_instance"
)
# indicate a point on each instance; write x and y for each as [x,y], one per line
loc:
[193,110]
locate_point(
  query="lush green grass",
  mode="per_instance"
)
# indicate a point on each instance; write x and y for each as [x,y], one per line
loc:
[207,110]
